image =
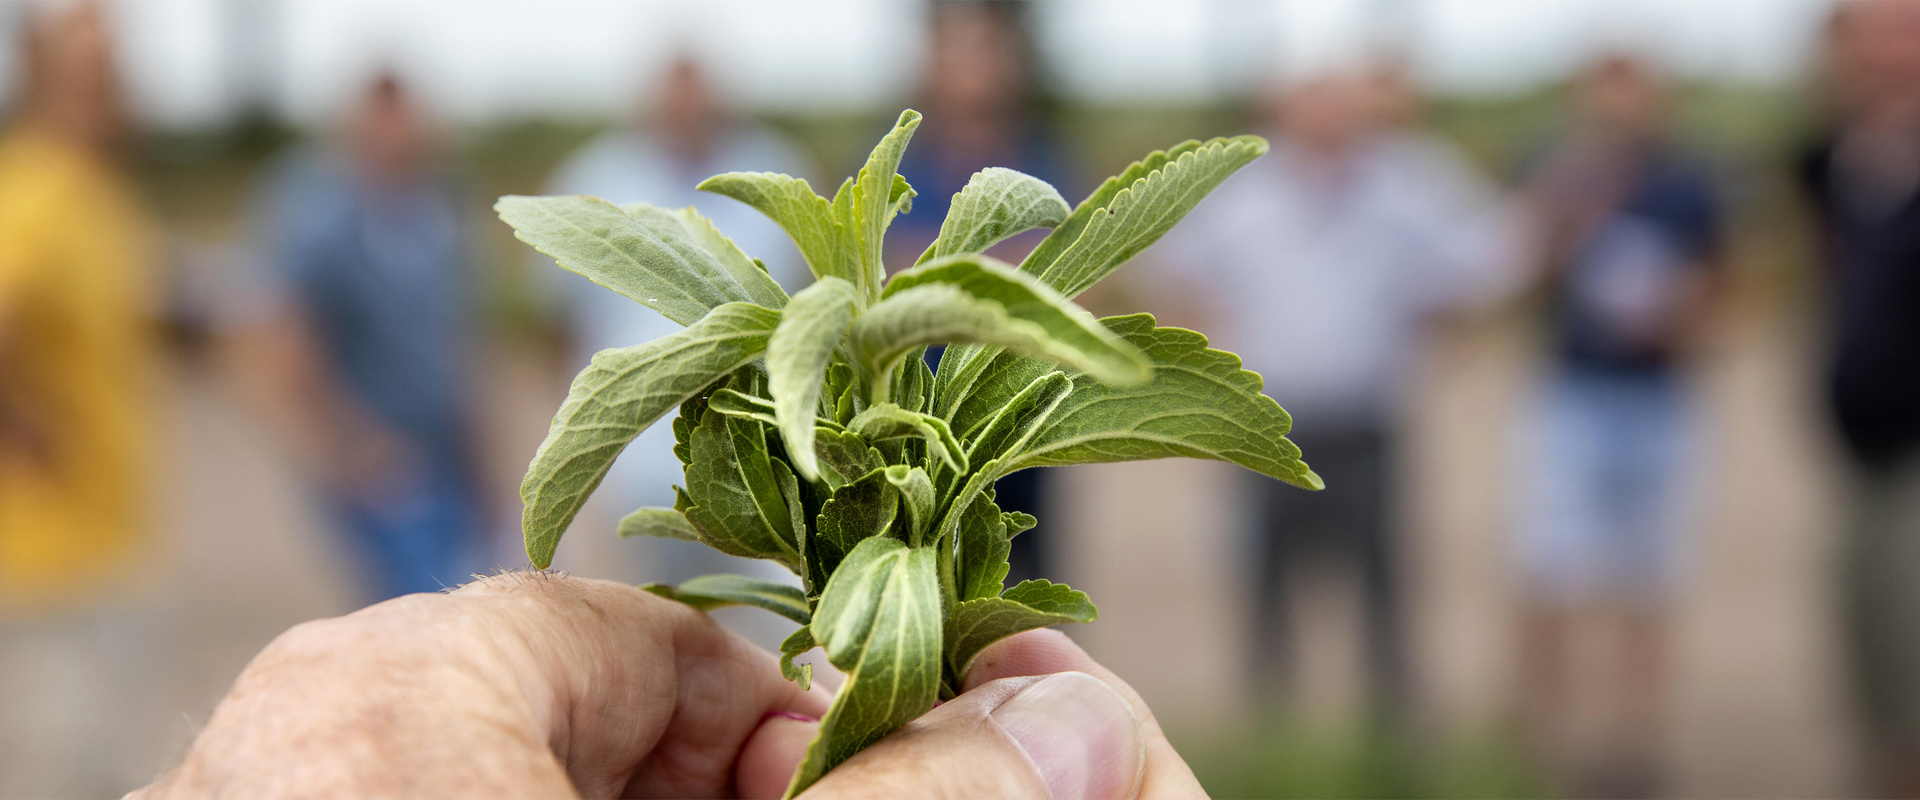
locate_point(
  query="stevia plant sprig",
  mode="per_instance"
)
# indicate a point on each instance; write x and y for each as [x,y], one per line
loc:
[813,433]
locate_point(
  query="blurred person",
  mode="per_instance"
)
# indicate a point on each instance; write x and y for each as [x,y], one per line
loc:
[77,362]
[1863,175]
[365,343]
[1321,264]
[1629,238]
[686,135]
[980,92]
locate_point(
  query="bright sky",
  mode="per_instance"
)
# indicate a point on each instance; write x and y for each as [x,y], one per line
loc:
[486,59]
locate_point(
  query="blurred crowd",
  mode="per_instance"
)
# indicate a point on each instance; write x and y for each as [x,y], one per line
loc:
[359,336]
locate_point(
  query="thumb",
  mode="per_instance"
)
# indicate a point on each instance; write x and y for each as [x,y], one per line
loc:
[1064,736]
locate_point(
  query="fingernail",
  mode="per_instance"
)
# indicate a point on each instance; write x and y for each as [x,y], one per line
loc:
[1080,733]
[793,715]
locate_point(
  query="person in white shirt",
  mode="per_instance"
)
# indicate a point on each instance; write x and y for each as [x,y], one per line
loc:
[1319,264]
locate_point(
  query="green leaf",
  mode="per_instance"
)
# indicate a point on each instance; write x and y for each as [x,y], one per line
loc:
[913,381]
[1068,232]
[1145,202]
[974,624]
[659,523]
[595,238]
[737,504]
[901,198]
[862,509]
[852,598]
[797,358]
[874,200]
[760,409]
[621,393]
[1073,337]
[879,619]
[709,592]
[745,406]
[996,204]
[888,421]
[981,567]
[843,396]
[1200,404]
[798,513]
[977,299]
[1019,522]
[799,642]
[807,217]
[696,238]
[961,367]
[1016,422]
[844,457]
[1007,433]
[916,493]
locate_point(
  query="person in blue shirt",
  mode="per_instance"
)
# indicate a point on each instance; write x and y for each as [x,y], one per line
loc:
[370,340]
[980,98]
[1630,238]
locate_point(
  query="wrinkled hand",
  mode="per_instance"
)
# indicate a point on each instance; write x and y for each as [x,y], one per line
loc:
[535,685]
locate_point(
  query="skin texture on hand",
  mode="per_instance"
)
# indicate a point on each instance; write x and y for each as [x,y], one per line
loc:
[538,685]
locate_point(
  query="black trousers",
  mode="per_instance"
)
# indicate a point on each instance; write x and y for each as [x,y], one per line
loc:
[1349,521]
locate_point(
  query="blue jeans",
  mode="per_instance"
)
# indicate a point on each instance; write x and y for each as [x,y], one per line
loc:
[422,541]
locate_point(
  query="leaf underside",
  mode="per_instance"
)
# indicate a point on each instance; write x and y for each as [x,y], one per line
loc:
[619,395]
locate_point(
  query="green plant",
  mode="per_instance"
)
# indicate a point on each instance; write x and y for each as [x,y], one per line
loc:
[814,434]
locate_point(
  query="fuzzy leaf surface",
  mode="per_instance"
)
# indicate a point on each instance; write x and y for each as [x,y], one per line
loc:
[888,421]
[916,493]
[974,624]
[615,398]
[709,592]
[879,619]
[1068,232]
[745,406]
[862,509]
[594,238]
[844,457]
[1200,404]
[996,204]
[807,217]
[797,358]
[696,237]
[1008,431]
[947,312]
[1072,337]
[737,503]
[1145,202]
[981,568]
[875,201]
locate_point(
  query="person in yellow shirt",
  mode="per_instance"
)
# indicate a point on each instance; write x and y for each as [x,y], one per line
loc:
[74,328]
[81,677]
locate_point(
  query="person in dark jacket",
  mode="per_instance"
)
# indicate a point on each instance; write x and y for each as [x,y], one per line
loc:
[1863,177]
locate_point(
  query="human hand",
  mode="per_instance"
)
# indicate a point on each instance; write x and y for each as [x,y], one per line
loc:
[536,685]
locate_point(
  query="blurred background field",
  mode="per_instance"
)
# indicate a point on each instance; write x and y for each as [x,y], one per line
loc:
[239,543]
